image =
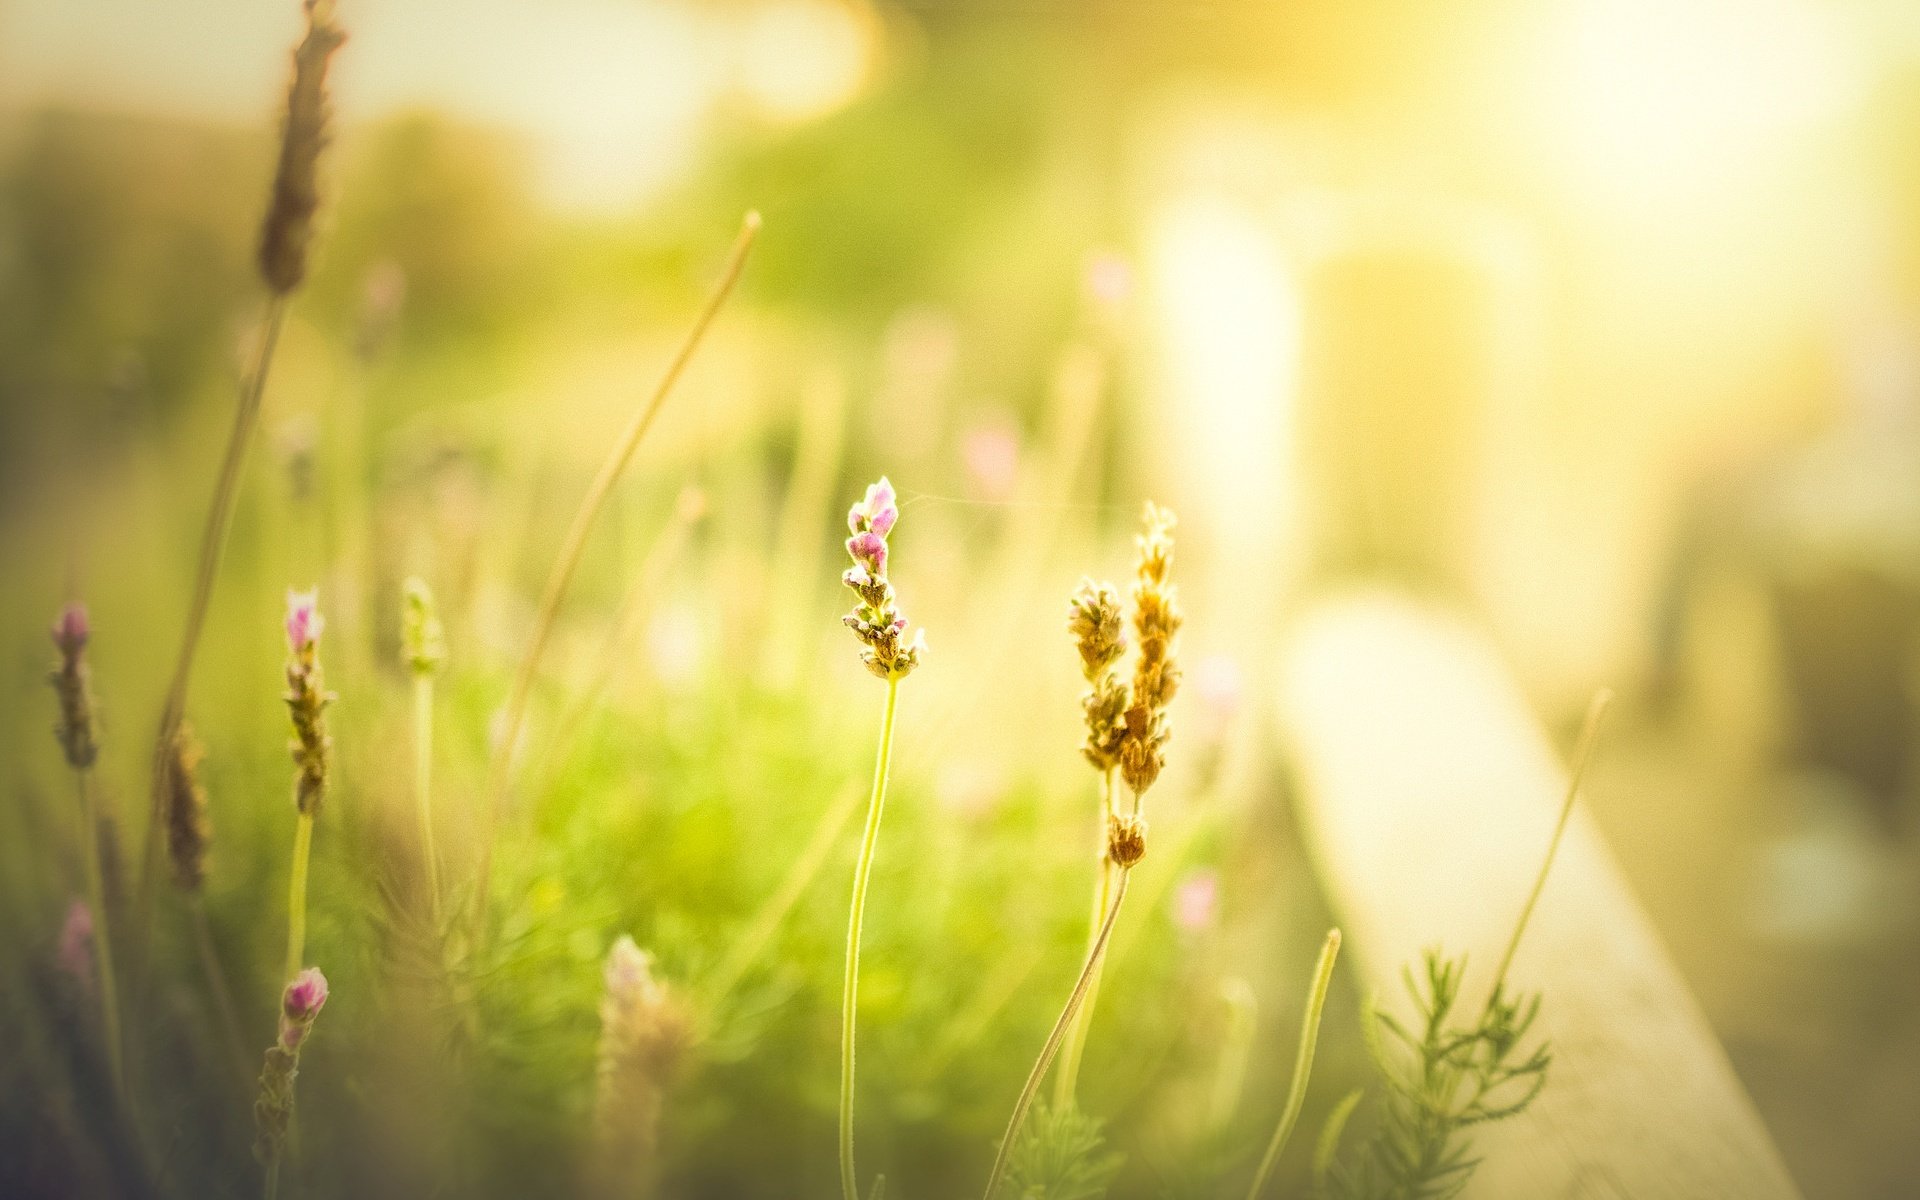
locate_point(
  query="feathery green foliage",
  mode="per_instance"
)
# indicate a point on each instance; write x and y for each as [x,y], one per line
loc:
[1061,1155]
[1441,1079]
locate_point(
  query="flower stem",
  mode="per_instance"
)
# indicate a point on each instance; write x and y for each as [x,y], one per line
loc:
[213,541]
[1302,1062]
[297,895]
[102,937]
[423,783]
[1069,1074]
[1054,1038]
[850,991]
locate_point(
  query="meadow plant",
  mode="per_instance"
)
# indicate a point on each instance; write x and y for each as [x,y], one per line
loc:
[877,623]
[307,700]
[1139,752]
[285,237]
[300,1004]
[72,682]
[645,1034]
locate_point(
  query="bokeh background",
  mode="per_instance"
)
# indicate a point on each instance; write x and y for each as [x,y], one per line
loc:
[1598,320]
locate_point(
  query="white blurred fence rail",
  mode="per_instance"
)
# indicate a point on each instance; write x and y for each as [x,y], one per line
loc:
[1428,792]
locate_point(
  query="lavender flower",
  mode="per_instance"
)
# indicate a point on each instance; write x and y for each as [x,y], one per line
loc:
[72,683]
[644,1036]
[876,619]
[300,1006]
[1156,676]
[307,699]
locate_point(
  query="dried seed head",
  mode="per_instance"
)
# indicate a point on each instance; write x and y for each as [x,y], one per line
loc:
[1099,633]
[307,699]
[876,619]
[1156,676]
[289,222]
[189,833]
[645,1033]
[1126,840]
[421,636]
[72,684]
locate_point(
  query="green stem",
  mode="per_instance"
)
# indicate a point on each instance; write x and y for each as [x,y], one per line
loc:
[1054,1038]
[102,938]
[1302,1062]
[1582,754]
[423,783]
[1068,1076]
[297,896]
[850,989]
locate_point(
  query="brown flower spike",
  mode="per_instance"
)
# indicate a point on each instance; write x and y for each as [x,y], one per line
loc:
[307,700]
[296,196]
[1099,632]
[189,833]
[1156,676]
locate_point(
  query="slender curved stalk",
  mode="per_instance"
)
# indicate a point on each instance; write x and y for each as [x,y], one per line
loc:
[1582,755]
[747,949]
[423,783]
[1054,1038]
[1302,1063]
[217,984]
[574,544]
[213,543]
[1069,1074]
[297,895]
[856,914]
[102,938]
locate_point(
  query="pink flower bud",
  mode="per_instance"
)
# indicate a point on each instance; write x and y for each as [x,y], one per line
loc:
[301,1002]
[304,622]
[869,549]
[70,632]
[877,512]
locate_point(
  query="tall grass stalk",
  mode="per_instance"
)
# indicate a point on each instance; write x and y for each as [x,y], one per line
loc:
[423,784]
[229,1017]
[213,542]
[856,915]
[1302,1063]
[1582,755]
[574,544]
[1031,1089]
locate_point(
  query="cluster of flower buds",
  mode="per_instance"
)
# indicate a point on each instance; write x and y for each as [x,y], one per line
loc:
[300,1005]
[307,699]
[1099,632]
[72,685]
[876,619]
[296,195]
[422,640]
[644,1036]
[189,833]
[1156,675]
